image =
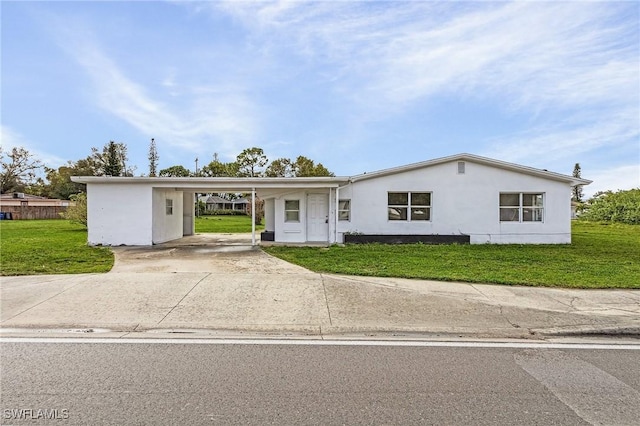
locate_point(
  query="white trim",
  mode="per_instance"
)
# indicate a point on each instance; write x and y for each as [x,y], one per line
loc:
[253,216]
[336,216]
[521,207]
[198,184]
[326,199]
[299,220]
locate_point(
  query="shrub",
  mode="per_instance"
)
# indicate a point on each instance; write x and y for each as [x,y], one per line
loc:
[620,206]
[77,212]
[227,212]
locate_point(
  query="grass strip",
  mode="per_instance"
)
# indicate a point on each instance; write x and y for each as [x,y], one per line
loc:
[225,224]
[33,247]
[600,256]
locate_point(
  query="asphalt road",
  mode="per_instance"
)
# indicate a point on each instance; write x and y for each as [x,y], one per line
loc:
[189,383]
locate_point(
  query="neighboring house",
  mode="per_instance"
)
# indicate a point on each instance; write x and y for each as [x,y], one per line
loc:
[21,199]
[465,198]
[575,209]
[26,206]
[215,202]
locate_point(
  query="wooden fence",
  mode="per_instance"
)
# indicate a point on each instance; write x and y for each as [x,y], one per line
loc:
[33,212]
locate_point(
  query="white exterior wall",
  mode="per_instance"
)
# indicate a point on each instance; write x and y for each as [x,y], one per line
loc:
[131,211]
[460,204]
[291,232]
[295,232]
[119,214]
[167,227]
[188,213]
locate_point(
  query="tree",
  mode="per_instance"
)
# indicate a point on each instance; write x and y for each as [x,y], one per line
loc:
[175,171]
[281,167]
[259,211]
[608,206]
[37,187]
[60,185]
[112,161]
[153,158]
[576,191]
[17,169]
[251,162]
[216,168]
[201,207]
[304,167]
[59,180]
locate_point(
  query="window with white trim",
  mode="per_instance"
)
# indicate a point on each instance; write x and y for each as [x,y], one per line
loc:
[168,206]
[292,210]
[521,207]
[344,210]
[409,206]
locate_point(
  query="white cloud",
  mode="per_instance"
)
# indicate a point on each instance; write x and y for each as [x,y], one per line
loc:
[542,54]
[201,117]
[621,177]
[572,66]
[10,139]
[609,129]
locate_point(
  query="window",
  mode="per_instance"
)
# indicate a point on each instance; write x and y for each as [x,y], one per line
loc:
[461,167]
[344,210]
[521,207]
[409,206]
[169,206]
[292,210]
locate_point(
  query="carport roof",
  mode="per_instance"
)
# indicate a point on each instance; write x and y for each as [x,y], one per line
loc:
[217,183]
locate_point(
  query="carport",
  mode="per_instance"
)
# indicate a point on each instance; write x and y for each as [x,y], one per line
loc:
[154,210]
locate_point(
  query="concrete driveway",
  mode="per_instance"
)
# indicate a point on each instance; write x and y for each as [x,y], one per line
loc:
[230,286]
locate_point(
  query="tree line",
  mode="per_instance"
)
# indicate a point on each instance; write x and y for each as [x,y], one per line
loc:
[252,162]
[19,169]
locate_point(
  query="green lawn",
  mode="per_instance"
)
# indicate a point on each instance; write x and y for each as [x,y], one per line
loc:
[225,224]
[601,256]
[49,247]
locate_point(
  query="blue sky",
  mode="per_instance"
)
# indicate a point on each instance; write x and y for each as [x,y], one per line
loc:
[358,86]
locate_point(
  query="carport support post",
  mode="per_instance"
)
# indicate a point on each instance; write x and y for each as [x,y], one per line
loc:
[253,216]
[336,217]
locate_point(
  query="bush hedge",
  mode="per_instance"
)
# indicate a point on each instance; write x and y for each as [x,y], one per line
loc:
[224,213]
[620,207]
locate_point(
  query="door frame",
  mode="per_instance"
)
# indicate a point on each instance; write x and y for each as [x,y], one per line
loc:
[325,196]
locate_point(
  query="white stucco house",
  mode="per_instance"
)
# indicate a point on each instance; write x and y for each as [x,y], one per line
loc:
[464,198]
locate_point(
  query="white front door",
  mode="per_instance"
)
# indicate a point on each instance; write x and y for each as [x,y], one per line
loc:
[317,217]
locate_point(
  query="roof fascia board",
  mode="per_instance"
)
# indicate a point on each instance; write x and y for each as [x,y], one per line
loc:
[234,183]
